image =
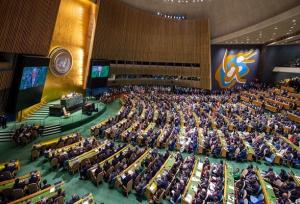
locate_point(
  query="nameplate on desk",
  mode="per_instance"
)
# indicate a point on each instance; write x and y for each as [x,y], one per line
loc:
[153,188]
[52,190]
[195,179]
[269,186]
[188,198]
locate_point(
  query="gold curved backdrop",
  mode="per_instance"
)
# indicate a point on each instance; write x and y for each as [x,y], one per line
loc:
[130,34]
[73,31]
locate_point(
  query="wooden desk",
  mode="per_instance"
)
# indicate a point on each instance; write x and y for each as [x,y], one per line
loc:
[109,159]
[140,137]
[267,189]
[244,98]
[229,193]
[47,144]
[67,148]
[10,163]
[38,196]
[257,103]
[134,166]
[250,151]
[87,155]
[200,141]
[287,88]
[10,183]
[109,133]
[152,185]
[191,187]
[295,147]
[271,108]
[294,117]
[278,156]
[125,133]
[223,144]
[86,199]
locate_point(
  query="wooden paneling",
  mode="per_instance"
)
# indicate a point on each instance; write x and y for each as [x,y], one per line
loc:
[6,78]
[143,81]
[73,31]
[26,26]
[157,70]
[126,33]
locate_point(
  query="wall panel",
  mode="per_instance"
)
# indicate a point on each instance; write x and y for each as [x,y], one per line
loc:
[126,33]
[27,25]
[73,31]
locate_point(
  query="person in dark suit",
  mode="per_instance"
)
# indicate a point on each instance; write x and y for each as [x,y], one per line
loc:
[60,192]
[126,178]
[74,199]
[98,171]
[1,121]
[34,178]
[45,184]
[18,184]
[4,122]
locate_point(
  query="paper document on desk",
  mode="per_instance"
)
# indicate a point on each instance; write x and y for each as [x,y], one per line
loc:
[188,198]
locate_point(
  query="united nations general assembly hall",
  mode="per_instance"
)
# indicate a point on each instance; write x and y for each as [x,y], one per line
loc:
[149,101]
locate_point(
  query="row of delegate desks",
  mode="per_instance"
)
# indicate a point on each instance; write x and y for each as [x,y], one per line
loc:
[86,199]
[95,129]
[229,192]
[49,143]
[140,137]
[15,163]
[55,152]
[133,167]
[152,185]
[109,159]
[38,196]
[73,164]
[8,184]
[294,117]
[267,189]
[56,142]
[191,187]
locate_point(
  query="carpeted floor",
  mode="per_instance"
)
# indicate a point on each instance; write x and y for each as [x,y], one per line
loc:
[73,184]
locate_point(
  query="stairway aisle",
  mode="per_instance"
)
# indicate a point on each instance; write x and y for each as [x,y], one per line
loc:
[51,130]
[5,135]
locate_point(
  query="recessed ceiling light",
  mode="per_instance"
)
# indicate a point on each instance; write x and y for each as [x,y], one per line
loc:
[275,28]
[294,20]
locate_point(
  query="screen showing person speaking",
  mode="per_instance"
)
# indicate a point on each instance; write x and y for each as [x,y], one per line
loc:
[100,71]
[33,77]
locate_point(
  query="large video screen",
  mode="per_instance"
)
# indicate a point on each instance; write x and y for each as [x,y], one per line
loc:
[100,71]
[33,77]
[29,81]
